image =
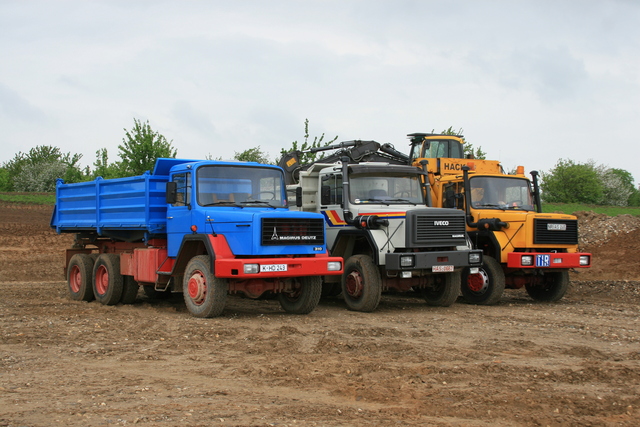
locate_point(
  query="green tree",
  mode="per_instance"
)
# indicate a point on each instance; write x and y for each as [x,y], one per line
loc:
[4,179]
[23,170]
[570,182]
[476,153]
[306,145]
[103,168]
[141,147]
[634,198]
[254,154]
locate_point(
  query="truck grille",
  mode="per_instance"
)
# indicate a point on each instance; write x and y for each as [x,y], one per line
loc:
[555,231]
[435,228]
[290,231]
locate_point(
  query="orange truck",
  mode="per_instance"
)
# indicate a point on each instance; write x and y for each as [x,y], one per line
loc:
[522,246]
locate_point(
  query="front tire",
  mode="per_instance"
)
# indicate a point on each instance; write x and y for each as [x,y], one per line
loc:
[444,291]
[107,280]
[305,297]
[551,289]
[204,294]
[485,287]
[80,277]
[361,284]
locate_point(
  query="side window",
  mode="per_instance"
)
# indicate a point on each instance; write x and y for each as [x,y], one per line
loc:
[336,189]
[183,192]
[449,196]
[331,190]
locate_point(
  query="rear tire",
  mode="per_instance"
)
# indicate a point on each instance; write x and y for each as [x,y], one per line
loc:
[361,284]
[130,290]
[305,297]
[487,286]
[80,277]
[445,290]
[553,287]
[107,280]
[204,294]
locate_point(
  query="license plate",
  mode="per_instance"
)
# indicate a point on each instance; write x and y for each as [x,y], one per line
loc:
[543,260]
[442,268]
[273,267]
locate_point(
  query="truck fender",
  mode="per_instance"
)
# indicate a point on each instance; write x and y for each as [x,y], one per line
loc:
[488,242]
[192,245]
[343,244]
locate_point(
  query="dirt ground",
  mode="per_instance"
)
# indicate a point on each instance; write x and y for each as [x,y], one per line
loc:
[519,363]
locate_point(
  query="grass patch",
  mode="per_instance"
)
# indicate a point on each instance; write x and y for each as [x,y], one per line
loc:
[29,198]
[569,208]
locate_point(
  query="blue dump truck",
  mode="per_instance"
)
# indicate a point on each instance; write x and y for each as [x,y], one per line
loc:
[203,228]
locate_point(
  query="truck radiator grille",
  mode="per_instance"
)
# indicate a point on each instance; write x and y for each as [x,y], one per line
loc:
[555,231]
[436,229]
[290,231]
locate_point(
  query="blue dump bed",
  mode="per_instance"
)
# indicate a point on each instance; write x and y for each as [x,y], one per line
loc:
[124,208]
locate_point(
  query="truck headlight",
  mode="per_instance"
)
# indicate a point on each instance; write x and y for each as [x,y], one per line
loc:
[407,261]
[334,266]
[474,257]
[251,268]
[585,260]
[526,260]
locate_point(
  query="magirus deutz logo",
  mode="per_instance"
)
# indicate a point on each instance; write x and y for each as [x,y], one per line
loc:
[276,237]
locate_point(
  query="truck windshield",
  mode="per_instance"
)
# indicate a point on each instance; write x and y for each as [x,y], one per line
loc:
[240,185]
[386,189]
[491,192]
[437,148]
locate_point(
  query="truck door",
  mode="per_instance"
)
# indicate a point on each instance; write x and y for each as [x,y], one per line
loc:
[179,213]
[330,204]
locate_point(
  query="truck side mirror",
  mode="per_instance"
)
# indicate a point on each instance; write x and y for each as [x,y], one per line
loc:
[299,197]
[172,193]
[325,195]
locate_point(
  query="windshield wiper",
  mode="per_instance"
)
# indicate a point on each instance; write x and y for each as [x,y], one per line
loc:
[255,202]
[490,205]
[223,204]
[404,200]
[385,201]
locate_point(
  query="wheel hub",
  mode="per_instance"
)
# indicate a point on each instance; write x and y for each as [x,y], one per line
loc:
[197,288]
[75,279]
[102,280]
[478,282]
[354,284]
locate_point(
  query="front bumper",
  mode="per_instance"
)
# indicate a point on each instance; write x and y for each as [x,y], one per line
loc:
[433,260]
[548,260]
[282,267]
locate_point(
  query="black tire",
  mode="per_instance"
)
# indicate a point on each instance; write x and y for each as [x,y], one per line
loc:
[444,291]
[361,284]
[107,280]
[80,277]
[204,294]
[552,288]
[487,286]
[305,297]
[130,290]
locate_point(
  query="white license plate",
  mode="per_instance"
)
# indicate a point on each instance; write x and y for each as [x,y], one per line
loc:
[442,268]
[273,267]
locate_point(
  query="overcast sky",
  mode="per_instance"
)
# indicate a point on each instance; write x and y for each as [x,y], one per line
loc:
[530,82]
